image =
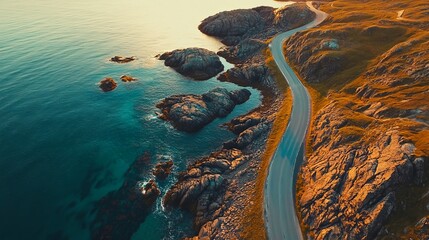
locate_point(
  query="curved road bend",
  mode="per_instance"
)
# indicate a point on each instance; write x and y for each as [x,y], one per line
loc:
[279,203]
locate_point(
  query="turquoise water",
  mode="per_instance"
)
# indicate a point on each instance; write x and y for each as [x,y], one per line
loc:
[64,143]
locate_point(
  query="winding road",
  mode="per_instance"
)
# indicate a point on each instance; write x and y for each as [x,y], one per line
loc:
[280,215]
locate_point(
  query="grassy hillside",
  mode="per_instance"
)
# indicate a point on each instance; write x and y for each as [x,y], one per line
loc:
[372,59]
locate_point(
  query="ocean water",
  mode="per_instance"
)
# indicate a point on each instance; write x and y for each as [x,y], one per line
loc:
[64,144]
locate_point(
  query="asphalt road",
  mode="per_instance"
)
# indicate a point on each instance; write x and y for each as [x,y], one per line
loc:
[280,215]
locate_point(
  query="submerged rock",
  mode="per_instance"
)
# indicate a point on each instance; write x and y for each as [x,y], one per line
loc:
[120,213]
[192,112]
[108,84]
[196,63]
[119,59]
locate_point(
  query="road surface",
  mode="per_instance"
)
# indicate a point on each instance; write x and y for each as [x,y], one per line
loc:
[279,199]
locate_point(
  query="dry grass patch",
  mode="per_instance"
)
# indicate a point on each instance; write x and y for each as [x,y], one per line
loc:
[253,221]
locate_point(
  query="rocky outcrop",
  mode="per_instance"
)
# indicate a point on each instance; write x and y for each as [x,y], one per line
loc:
[197,63]
[259,23]
[405,64]
[119,59]
[361,158]
[316,54]
[120,213]
[127,78]
[246,31]
[108,84]
[215,189]
[192,112]
[350,192]
[292,16]
[200,189]
[252,74]
[231,25]
[243,50]
[163,169]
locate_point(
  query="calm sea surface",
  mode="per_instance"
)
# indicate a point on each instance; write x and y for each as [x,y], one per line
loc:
[64,144]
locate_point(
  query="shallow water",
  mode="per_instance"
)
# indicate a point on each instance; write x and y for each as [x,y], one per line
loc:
[64,143]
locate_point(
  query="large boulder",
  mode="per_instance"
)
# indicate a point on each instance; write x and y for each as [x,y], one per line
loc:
[192,112]
[197,63]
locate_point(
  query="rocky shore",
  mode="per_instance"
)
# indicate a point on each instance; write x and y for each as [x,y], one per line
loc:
[218,189]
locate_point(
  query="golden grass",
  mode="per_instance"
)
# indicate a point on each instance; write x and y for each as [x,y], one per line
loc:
[253,221]
[349,23]
[359,26]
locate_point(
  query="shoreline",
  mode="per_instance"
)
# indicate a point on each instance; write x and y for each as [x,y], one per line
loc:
[237,195]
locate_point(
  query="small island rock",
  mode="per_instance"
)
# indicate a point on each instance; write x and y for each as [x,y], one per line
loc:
[196,63]
[119,59]
[108,84]
[127,78]
[192,112]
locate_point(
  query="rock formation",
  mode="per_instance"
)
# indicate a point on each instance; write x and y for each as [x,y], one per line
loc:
[108,84]
[200,189]
[236,25]
[196,63]
[119,59]
[192,112]
[350,193]
[162,169]
[127,78]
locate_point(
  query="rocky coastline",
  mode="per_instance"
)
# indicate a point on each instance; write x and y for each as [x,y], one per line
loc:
[218,189]
[365,141]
